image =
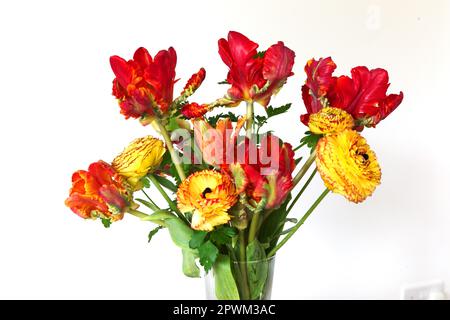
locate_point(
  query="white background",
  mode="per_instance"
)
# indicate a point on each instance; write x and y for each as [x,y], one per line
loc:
[58,115]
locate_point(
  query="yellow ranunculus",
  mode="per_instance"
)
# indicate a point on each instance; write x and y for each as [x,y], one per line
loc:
[142,156]
[208,195]
[330,120]
[347,165]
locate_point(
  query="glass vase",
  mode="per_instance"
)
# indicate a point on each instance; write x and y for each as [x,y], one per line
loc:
[248,280]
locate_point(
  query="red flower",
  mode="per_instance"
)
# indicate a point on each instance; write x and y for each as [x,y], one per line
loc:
[194,110]
[98,192]
[363,95]
[254,76]
[194,83]
[269,173]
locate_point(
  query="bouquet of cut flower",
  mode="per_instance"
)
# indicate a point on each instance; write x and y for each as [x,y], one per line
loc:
[228,185]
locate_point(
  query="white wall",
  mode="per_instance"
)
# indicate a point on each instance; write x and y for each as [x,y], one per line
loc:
[58,116]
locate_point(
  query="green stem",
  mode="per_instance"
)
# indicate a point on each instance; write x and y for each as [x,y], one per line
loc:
[249,120]
[166,196]
[245,290]
[299,224]
[149,199]
[141,215]
[301,191]
[305,168]
[173,154]
[254,226]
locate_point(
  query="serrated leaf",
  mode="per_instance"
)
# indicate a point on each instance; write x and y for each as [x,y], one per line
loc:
[259,54]
[208,253]
[198,237]
[153,232]
[310,139]
[223,235]
[106,222]
[271,111]
[213,119]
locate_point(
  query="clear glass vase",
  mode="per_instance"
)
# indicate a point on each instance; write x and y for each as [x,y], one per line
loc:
[248,280]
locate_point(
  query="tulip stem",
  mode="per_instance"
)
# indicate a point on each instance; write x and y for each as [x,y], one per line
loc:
[149,199]
[299,224]
[166,197]
[304,169]
[249,120]
[173,153]
[301,191]
[245,290]
[142,216]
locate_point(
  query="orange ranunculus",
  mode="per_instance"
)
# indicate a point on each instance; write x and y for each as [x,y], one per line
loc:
[254,76]
[99,193]
[208,195]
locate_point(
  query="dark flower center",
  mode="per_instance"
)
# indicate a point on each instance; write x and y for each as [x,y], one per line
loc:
[206,191]
[365,156]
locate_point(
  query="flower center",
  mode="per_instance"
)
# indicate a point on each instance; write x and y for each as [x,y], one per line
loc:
[206,191]
[365,156]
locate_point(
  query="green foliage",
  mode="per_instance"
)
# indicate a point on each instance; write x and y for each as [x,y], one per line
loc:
[223,82]
[258,269]
[225,285]
[106,222]
[166,183]
[208,254]
[145,182]
[310,139]
[271,111]
[148,204]
[180,233]
[223,235]
[273,226]
[230,115]
[260,54]
[190,268]
[198,238]
[153,232]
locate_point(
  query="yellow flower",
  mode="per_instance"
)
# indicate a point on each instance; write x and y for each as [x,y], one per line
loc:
[208,195]
[347,165]
[142,156]
[330,120]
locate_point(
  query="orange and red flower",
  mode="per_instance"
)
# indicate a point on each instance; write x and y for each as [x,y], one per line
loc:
[266,172]
[254,76]
[363,95]
[194,110]
[144,85]
[99,193]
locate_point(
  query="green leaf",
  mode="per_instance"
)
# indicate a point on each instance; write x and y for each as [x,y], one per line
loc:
[230,115]
[166,183]
[198,237]
[208,253]
[159,215]
[271,111]
[153,232]
[223,235]
[223,82]
[172,125]
[261,120]
[225,285]
[106,222]
[273,225]
[190,268]
[147,204]
[180,233]
[258,269]
[259,54]
[310,139]
[145,182]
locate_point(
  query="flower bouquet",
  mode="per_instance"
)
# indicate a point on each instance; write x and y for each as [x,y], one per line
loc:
[228,185]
